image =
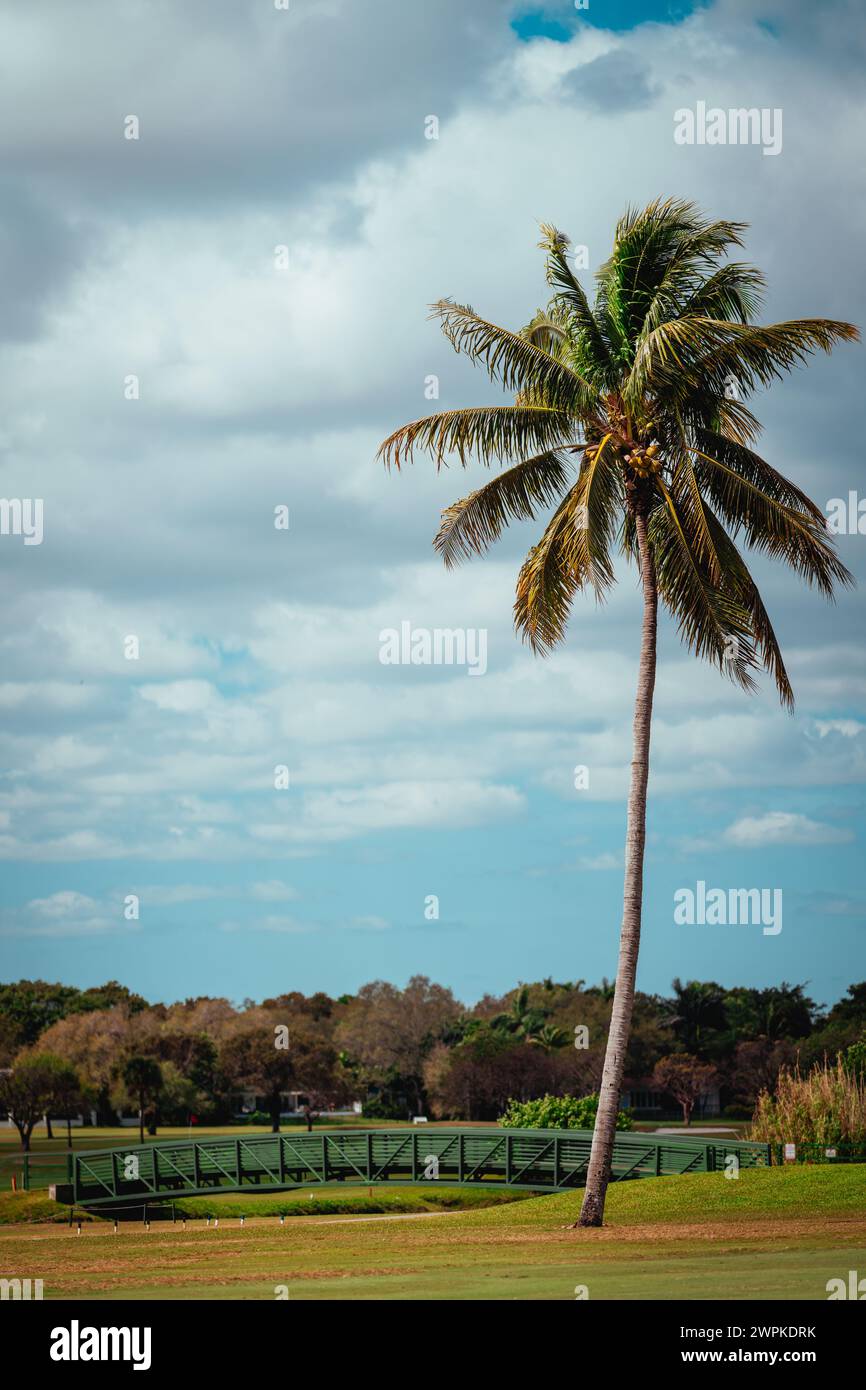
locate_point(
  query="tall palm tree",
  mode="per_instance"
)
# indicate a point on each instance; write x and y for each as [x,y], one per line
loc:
[630,417]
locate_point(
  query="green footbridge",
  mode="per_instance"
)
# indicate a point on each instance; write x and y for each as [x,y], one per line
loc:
[541,1159]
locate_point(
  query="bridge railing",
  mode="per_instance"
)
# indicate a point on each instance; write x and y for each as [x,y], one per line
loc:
[543,1160]
[41,1170]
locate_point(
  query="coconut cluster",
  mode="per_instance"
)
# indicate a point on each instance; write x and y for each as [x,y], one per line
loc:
[644,460]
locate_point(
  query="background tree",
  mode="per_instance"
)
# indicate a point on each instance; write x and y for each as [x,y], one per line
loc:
[756,1067]
[686,1078]
[841,1027]
[696,1015]
[26,1091]
[648,391]
[389,1031]
[65,1098]
[95,1043]
[142,1076]
[779,1011]
[29,1007]
[253,1056]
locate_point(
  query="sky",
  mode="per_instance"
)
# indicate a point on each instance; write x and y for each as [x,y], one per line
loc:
[211,327]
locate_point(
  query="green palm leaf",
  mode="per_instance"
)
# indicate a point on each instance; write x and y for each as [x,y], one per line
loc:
[492,433]
[470,526]
[511,359]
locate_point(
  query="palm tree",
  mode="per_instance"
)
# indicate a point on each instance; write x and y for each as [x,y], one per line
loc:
[548,1038]
[631,417]
[696,1008]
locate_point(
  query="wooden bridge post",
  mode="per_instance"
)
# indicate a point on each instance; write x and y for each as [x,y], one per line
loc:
[238,1169]
[369,1156]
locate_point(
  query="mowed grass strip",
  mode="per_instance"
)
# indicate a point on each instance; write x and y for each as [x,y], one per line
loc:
[768,1234]
[18,1208]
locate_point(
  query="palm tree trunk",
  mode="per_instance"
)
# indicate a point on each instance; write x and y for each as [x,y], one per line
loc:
[598,1175]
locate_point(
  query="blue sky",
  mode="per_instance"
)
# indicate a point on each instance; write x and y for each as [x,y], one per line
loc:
[559,21]
[262,386]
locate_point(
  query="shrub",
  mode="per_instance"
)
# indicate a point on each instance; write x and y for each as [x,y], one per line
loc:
[854,1059]
[557,1112]
[737,1112]
[827,1106]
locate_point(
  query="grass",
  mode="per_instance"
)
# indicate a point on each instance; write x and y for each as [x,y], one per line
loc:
[772,1233]
[20,1208]
[358,1201]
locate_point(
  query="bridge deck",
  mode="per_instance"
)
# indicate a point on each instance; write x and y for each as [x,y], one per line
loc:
[542,1160]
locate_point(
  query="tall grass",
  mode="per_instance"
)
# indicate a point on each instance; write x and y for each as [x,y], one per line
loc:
[826,1106]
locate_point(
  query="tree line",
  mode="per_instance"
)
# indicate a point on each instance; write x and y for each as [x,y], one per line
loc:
[417,1050]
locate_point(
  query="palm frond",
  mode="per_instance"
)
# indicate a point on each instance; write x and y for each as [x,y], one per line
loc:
[686,489]
[471,525]
[511,359]
[548,580]
[733,292]
[740,582]
[548,330]
[798,537]
[712,623]
[702,408]
[756,470]
[491,433]
[684,281]
[569,292]
[657,253]
[714,354]
[600,495]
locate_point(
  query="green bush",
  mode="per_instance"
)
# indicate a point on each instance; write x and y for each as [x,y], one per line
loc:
[557,1112]
[854,1059]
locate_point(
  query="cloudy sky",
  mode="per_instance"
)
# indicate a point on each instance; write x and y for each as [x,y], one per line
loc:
[223,317]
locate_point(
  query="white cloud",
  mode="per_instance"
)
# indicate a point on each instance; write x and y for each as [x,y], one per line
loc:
[601,861]
[260,388]
[279,925]
[273,890]
[62,904]
[180,697]
[783,828]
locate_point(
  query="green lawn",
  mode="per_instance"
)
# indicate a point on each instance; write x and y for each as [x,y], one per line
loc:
[771,1233]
